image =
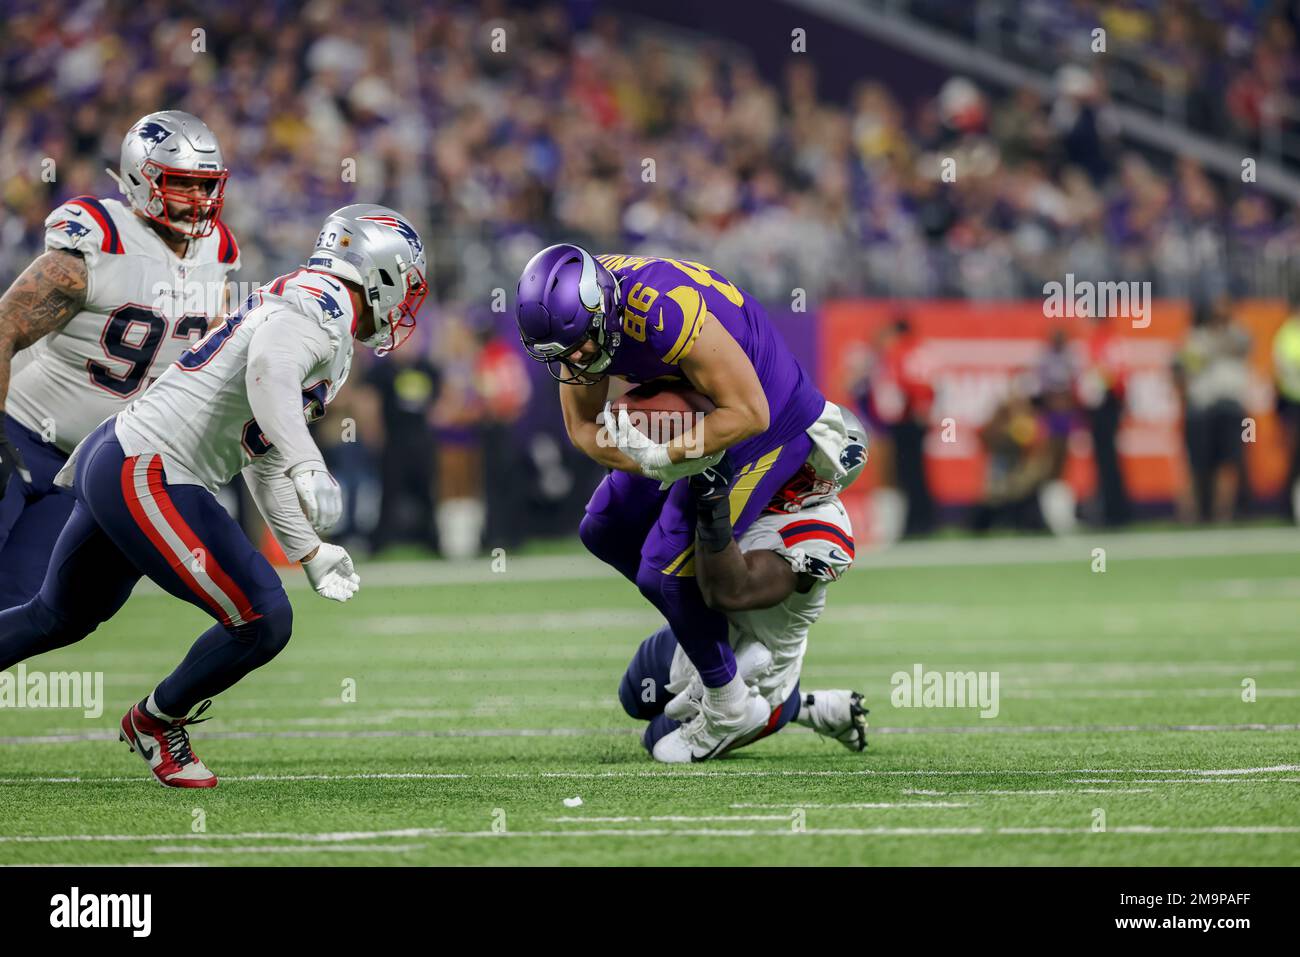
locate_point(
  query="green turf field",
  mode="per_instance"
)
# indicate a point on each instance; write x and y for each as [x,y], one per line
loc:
[484,700]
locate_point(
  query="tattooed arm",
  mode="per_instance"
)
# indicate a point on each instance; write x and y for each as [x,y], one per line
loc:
[49,292]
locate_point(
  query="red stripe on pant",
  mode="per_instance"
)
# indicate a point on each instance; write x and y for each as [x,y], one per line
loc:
[182,530]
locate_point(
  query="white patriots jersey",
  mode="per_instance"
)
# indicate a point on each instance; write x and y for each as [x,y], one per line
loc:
[817,541]
[144,307]
[197,415]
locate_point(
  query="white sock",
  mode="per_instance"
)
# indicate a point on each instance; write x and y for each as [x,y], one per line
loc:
[730,698]
[152,707]
[804,717]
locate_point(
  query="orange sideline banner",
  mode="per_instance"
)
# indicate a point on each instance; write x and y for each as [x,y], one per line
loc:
[976,352]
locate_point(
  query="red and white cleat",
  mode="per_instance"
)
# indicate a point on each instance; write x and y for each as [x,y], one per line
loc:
[165,747]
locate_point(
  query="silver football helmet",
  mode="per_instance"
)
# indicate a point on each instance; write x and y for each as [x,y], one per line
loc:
[161,149]
[853,457]
[379,250]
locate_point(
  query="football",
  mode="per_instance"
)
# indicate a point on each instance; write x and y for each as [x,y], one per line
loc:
[663,410]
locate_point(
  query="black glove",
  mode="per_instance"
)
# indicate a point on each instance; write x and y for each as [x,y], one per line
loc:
[711,492]
[11,461]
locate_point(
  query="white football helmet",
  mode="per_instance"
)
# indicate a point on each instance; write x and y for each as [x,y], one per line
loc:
[379,250]
[161,148]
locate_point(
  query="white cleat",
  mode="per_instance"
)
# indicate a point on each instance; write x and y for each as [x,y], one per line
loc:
[836,714]
[710,734]
[753,660]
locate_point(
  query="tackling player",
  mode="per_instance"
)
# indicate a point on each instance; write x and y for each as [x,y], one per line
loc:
[100,313]
[636,318]
[239,400]
[772,587]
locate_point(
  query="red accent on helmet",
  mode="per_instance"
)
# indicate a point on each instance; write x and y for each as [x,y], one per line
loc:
[417,290]
[206,209]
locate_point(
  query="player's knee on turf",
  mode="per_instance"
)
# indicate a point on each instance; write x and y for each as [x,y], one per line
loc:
[640,695]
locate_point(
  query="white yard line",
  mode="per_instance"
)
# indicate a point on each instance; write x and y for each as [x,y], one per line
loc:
[873,805]
[705,772]
[666,818]
[322,837]
[77,737]
[1049,791]
[295,849]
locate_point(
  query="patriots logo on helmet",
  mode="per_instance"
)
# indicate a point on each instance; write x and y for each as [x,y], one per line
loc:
[72,228]
[152,133]
[853,456]
[328,304]
[405,229]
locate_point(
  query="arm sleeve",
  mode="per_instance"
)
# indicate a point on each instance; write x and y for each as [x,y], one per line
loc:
[282,353]
[278,503]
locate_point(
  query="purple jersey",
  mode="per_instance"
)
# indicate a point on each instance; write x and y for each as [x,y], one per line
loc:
[665,302]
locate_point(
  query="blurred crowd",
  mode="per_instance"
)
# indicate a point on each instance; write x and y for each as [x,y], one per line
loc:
[604,128]
[498,129]
[1226,68]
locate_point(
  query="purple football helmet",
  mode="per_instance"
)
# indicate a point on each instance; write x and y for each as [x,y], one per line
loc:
[565,300]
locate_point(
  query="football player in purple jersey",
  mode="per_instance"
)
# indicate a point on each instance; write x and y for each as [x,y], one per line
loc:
[637,319]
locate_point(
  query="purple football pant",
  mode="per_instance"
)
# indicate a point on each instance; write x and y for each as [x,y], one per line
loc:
[649,536]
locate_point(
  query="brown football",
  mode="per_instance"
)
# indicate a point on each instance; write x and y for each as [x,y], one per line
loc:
[666,409]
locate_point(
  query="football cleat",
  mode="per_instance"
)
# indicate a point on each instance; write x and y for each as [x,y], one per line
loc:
[752,662]
[709,734]
[165,747]
[838,715]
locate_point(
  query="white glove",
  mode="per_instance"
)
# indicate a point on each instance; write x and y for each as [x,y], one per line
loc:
[331,573]
[318,494]
[650,456]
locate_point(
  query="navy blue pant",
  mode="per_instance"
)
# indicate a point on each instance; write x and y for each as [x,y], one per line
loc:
[31,516]
[129,522]
[643,697]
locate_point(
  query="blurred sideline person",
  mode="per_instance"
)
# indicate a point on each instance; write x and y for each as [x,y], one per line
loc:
[904,397]
[456,417]
[1212,377]
[238,401]
[1057,383]
[771,584]
[504,391]
[90,325]
[1019,464]
[1286,378]
[1103,386]
[407,386]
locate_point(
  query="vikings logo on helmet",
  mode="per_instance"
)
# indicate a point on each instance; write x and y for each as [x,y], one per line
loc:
[405,229]
[328,304]
[152,133]
[72,228]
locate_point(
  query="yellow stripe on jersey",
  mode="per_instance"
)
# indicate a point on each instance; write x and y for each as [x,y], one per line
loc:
[749,478]
[683,566]
[688,553]
[694,313]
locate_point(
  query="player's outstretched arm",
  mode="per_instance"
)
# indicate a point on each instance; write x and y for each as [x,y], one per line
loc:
[729,579]
[718,367]
[48,293]
[582,406]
